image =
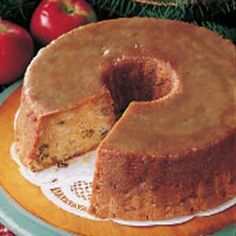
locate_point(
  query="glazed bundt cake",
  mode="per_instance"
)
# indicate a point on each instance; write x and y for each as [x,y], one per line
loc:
[168,86]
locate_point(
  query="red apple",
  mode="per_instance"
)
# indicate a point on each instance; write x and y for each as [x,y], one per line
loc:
[53,18]
[16,51]
[4,231]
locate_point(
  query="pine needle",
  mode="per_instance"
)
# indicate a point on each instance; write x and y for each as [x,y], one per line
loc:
[209,14]
[17,10]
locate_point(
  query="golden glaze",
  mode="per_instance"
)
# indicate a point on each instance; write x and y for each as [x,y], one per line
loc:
[206,71]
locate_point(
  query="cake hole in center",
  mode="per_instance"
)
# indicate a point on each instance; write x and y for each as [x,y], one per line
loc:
[139,79]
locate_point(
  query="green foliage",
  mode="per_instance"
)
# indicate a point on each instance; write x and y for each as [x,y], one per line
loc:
[213,15]
[19,11]
[226,32]
[216,15]
[131,8]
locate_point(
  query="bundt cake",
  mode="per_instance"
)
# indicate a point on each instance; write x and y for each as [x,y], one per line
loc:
[169,86]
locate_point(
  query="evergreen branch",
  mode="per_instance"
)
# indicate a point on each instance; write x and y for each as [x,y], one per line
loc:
[226,32]
[208,15]
[216,15]
[17,10]
[201,12]
[167,12]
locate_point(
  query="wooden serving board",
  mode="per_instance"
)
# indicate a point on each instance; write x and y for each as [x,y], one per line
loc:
[30,197]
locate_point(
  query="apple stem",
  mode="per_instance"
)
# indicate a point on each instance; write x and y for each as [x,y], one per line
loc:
[67,8]
[3,28]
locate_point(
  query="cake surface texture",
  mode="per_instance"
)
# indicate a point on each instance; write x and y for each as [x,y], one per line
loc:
[158,99]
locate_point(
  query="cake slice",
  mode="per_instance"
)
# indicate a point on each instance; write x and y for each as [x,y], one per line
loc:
[55,137]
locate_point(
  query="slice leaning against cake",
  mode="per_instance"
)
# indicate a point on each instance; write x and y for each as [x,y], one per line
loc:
[171,151]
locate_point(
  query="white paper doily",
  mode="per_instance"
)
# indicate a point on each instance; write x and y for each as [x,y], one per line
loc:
[70,189]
